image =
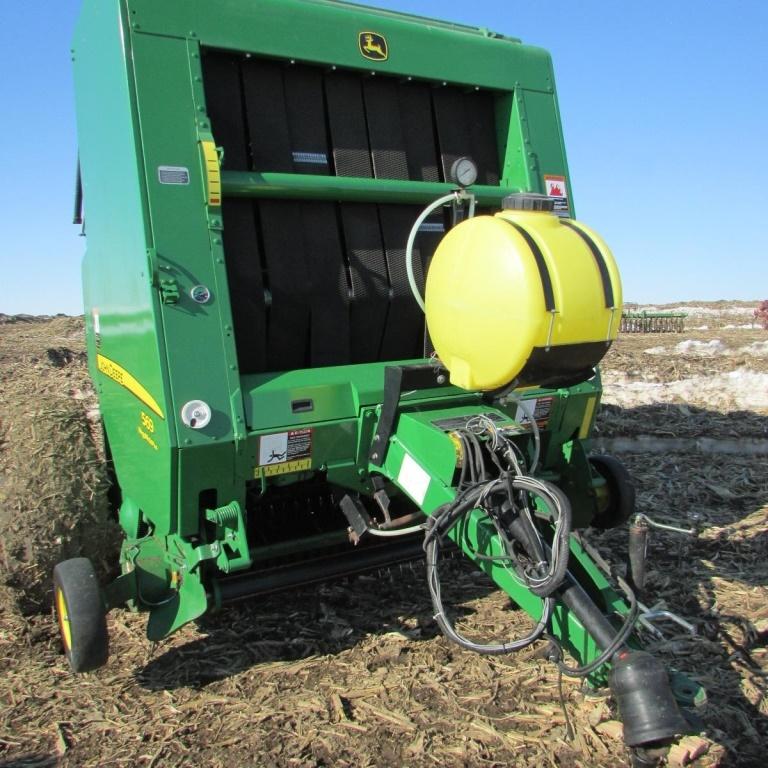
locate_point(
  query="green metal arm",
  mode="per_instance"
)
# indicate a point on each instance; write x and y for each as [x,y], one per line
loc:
[420,460]
[297,186]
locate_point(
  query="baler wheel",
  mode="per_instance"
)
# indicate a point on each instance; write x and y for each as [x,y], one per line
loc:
[81,615]
[621,492]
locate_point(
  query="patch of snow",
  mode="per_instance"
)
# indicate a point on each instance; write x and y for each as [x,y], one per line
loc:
[695,311]
[701,348]
[691,347]
[745,327]
[709,349]
[758,349]
[740,389]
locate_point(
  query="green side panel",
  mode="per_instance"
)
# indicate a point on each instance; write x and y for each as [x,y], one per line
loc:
[199,340]
[540,122]
[327,33]
[121,307]
[335,392]
[518,164]
[206,474]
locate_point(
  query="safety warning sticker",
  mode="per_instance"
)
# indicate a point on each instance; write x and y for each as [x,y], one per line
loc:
[537,408]
[557,189]
[284,452]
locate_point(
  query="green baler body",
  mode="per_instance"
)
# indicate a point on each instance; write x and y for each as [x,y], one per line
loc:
[146,103]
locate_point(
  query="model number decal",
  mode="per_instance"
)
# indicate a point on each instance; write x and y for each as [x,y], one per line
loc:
[146,429]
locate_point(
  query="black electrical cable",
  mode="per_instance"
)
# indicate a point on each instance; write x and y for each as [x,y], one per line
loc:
[513,518]
[444,520]
[621,637]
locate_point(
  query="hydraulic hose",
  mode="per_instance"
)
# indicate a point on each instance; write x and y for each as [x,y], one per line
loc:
[454,196]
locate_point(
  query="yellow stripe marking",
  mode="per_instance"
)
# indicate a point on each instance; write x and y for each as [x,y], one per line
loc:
[587,421]
[117,373]
[270,470]
[212,171]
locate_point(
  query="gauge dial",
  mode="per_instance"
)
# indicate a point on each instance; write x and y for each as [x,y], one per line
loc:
[464,172]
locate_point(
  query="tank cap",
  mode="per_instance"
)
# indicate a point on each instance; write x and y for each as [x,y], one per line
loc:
[528,201]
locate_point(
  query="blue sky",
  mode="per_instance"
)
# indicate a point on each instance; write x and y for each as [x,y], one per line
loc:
[665,112]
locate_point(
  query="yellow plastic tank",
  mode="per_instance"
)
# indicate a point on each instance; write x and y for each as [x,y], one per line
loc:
[522,298]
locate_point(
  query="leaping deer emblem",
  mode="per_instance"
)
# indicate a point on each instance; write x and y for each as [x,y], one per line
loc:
[373,46]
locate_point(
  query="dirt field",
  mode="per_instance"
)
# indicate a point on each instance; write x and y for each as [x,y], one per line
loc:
[355,673]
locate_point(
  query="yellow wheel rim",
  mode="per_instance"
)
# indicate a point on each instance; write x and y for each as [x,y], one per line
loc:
[64,626]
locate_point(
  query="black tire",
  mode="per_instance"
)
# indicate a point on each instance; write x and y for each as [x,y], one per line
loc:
[80,613]
[621,492]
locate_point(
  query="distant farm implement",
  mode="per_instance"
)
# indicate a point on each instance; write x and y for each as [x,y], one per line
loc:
[652,322]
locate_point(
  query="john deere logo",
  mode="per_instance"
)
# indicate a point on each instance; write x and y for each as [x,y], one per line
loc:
[373,46]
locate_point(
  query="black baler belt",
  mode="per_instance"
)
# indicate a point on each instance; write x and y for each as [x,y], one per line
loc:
[481,113]
[370,286]
[306,119]
[327,289]
[224,97]
[360,223]
[246,286]
[605,276]
[418,131]
[546,279]
[267,116]
[385,129]
[346,119]
[289,283]
[404,333]
[466,127]
[328,296]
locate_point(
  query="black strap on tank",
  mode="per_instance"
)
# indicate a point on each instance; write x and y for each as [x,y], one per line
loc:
[601,265]
[546,278]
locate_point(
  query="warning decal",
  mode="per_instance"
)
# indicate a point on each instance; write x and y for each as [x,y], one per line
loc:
[540,408]
[557,189]
[284,452]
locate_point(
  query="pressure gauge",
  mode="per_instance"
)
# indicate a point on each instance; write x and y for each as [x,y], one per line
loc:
[464,172]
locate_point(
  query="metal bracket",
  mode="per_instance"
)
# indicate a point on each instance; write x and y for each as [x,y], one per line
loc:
[396,379]
[231,548]
[169,291]
[649,616]
[205,552]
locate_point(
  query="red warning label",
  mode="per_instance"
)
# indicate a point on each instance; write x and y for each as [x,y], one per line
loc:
[556,188]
